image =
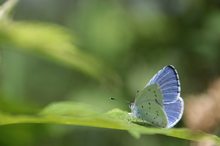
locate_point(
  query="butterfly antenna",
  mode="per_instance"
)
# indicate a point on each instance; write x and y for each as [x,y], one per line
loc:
[119,100]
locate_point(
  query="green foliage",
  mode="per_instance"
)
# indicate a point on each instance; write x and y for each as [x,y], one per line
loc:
[53,42]
[70,113]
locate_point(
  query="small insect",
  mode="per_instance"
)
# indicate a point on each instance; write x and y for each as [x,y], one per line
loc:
[159,103]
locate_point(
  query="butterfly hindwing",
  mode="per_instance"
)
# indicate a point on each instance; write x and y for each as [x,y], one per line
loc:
[174,111]
[148,106]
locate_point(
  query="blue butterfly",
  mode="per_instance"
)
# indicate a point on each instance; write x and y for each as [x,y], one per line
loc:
[159,103]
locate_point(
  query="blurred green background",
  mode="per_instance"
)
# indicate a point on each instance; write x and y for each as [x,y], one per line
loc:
[88,51]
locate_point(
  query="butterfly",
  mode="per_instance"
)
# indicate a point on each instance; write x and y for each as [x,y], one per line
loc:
[159,103]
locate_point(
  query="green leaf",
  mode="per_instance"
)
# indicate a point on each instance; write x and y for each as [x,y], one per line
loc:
[70,113]
[55,43]
[6,8]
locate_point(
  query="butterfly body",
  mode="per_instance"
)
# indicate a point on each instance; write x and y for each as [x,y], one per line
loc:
[159,103]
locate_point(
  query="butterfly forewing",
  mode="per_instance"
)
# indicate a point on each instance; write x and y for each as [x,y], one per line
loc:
[168,81]
[148,106]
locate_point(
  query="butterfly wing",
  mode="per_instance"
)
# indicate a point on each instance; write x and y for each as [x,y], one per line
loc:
[148,106]
[174,111]
[168,81]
